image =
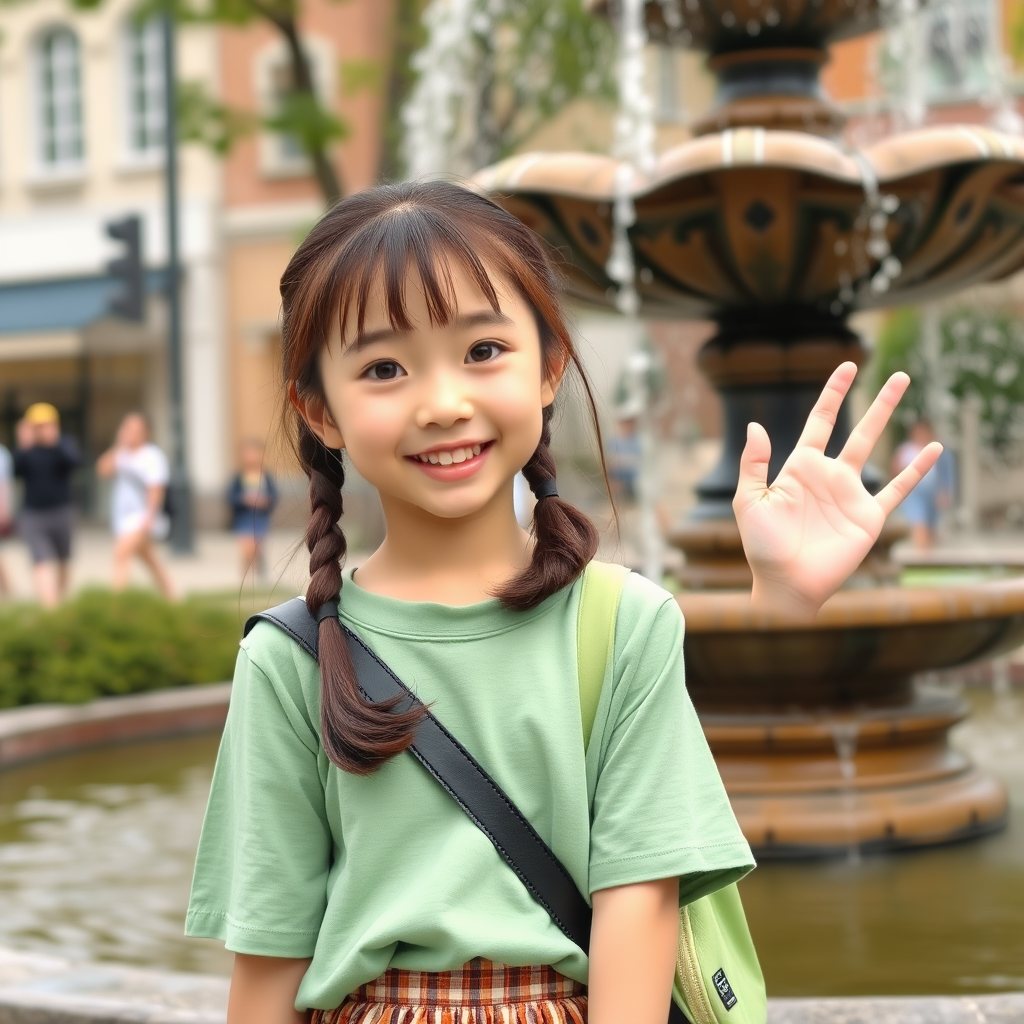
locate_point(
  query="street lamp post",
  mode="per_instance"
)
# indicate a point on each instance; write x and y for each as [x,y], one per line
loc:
[180,491]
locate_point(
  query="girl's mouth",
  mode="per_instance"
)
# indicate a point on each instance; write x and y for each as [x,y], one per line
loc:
[455,463]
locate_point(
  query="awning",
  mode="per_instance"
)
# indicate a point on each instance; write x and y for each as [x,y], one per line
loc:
[61,305]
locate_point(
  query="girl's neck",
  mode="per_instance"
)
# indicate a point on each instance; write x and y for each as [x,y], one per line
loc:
[449,561]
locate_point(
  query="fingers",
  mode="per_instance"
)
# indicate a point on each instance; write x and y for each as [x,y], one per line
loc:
[865,435]
[818,428]
[897,489]
[754,459]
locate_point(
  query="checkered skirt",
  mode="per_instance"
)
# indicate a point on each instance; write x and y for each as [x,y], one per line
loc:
[481,992]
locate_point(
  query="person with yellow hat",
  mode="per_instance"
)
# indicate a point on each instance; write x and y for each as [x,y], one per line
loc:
[45,461]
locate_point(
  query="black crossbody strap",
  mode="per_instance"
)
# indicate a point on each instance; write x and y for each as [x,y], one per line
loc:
[462,777]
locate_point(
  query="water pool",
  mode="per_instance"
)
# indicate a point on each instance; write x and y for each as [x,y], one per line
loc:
[96,853]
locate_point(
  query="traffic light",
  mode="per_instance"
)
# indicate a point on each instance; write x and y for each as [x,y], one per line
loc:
[130,300]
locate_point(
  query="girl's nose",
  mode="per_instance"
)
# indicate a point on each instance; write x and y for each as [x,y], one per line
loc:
[444,404]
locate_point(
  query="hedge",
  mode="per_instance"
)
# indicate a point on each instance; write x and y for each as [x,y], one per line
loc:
[103,643]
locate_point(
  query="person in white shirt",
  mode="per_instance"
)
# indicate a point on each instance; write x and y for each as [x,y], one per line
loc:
[140,473]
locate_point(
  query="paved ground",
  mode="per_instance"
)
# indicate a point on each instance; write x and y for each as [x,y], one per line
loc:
[214,566]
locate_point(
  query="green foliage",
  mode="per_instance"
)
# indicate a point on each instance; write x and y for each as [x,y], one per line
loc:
[556,51]
[301,115]
[361,76]
[205,120]
[103,643]
[981,352]
[492,72]
[899,348]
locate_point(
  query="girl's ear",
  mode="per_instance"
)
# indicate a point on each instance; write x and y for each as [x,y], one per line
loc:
[317,417]
[554,371]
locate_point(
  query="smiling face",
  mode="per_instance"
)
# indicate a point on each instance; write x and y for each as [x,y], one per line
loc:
[440,416]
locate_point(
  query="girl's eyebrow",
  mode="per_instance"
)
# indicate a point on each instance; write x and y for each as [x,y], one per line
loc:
[462,322]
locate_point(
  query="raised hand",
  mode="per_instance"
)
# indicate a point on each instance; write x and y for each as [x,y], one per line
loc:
[806,534]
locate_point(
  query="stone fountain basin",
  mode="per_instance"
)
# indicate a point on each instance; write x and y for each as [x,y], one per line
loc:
[753,218]
[861,650]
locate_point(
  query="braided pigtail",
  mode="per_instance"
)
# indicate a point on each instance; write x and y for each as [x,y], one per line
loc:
[357,736]
[566,540]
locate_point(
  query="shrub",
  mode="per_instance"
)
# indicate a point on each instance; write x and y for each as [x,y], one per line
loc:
[103,643]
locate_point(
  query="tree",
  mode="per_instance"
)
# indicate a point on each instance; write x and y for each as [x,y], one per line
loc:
[979,352]
[493,71]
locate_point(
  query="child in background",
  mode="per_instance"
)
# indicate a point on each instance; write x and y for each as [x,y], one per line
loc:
[423,341]
[251,497]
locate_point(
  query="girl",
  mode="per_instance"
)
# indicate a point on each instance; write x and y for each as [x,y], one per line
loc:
[423,341]
[251,498]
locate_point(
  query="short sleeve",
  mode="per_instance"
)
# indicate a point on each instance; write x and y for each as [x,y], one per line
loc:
[659,807]
[260,880]
[153,468]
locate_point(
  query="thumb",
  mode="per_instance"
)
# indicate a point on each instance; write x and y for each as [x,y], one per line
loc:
[754,460]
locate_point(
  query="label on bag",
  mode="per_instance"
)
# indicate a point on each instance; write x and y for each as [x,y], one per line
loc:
[724,989]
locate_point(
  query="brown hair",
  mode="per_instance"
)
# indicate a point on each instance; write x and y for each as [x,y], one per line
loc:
[374,237]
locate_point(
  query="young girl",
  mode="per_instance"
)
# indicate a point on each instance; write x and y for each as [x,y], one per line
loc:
[423,341]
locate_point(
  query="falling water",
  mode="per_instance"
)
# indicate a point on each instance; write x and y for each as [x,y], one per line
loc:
[634,147]
[845,735]
[439,115]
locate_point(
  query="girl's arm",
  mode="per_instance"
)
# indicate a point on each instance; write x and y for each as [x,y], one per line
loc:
[106,464]
[263,990]
[633,942]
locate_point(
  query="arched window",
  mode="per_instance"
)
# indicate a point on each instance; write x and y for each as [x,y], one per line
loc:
[144,86]
[59,89]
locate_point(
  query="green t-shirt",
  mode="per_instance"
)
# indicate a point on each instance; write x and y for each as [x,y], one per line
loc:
[362,873]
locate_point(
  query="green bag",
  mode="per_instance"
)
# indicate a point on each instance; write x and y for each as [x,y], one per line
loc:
[718,978]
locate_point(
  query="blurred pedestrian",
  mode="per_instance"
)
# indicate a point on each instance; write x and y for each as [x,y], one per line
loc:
[252,497]
[624,455]
[45,460]
[6,510]
[140,473]
[933,495]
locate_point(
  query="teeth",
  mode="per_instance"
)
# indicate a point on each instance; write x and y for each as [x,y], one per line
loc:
[453,457]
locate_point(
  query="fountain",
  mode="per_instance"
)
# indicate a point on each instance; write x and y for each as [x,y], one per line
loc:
[769,225]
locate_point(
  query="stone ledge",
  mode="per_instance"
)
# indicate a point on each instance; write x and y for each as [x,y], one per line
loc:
[37,989]
[996,1009]
[43,730]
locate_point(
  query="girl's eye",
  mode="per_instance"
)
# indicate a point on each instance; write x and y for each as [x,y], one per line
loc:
[484,351]
[386,369]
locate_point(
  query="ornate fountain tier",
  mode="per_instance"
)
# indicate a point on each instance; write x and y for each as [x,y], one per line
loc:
[783,233]
[765,54]
[778,236]
[818,732]
[725,26]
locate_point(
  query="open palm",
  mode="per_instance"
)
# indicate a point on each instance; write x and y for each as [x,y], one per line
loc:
[805,534]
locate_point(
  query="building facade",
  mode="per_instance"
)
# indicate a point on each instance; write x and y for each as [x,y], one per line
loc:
[81,145]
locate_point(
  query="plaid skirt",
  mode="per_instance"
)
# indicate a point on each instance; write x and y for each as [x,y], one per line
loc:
[481,992]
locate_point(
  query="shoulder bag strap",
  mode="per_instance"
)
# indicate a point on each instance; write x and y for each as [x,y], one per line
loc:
[461,776]
[595,634]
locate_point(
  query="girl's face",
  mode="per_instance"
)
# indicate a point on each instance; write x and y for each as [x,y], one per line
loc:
[441,418]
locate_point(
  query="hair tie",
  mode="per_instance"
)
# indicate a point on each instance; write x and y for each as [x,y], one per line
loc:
[328,610]
[546,489]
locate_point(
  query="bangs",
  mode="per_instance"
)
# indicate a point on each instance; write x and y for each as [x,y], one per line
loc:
[376,263]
